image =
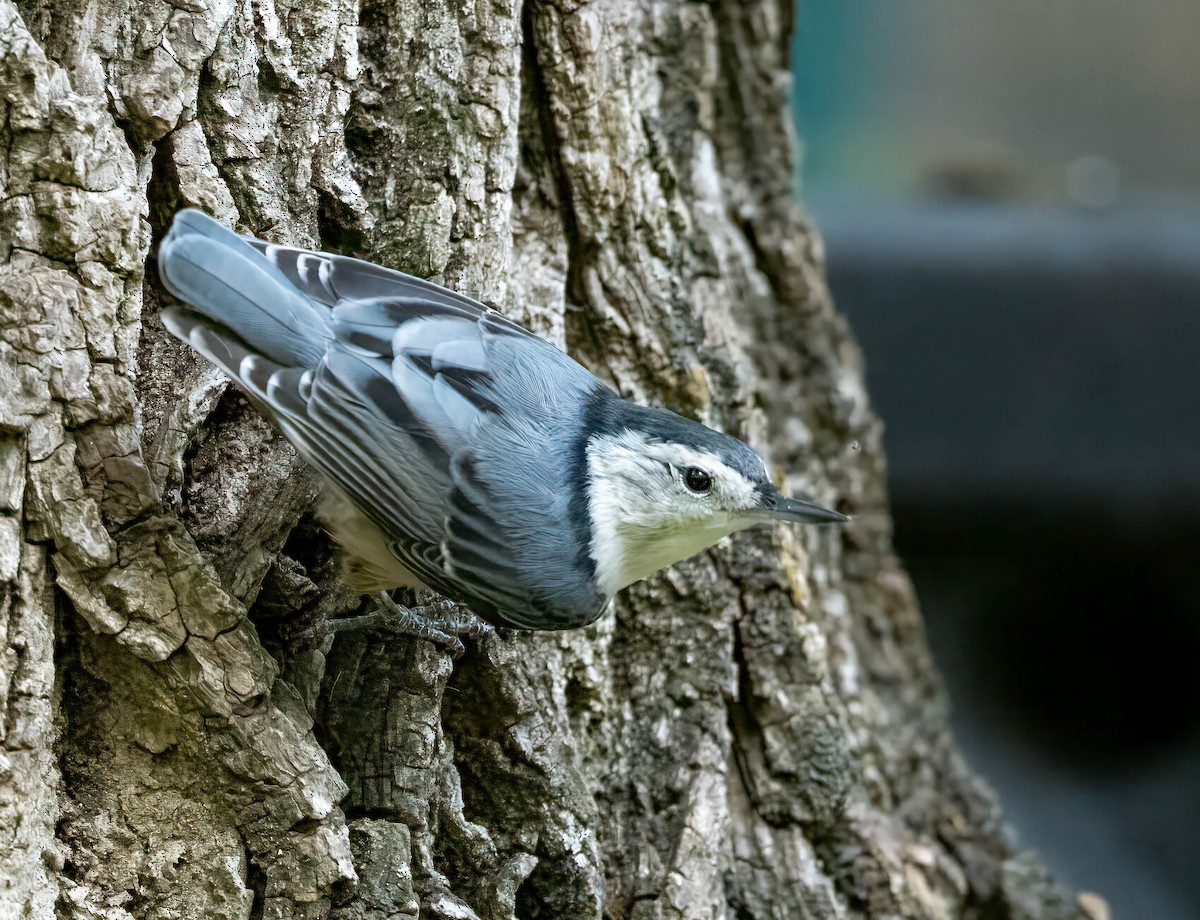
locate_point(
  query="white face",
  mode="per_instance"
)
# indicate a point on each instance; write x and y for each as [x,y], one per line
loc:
[654,504]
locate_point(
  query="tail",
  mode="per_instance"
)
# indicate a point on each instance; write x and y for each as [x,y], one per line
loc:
[231,287]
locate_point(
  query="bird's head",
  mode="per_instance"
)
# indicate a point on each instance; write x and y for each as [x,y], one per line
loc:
[662,488]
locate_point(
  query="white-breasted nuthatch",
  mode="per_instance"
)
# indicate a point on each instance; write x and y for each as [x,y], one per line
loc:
[458,451]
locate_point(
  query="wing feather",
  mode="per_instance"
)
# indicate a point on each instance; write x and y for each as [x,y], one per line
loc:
[332,279]
[482,558]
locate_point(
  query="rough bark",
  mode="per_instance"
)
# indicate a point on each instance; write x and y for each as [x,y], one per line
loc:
[756,733]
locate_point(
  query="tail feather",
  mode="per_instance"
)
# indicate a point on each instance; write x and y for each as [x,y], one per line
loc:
[232,284]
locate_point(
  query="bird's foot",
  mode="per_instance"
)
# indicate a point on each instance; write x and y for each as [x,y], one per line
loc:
[442,621]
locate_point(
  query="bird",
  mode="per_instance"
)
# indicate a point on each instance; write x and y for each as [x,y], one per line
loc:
[457,451]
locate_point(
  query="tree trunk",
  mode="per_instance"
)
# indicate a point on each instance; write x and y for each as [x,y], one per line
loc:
[756,733]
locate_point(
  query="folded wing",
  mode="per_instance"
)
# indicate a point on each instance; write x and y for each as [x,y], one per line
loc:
[408,397]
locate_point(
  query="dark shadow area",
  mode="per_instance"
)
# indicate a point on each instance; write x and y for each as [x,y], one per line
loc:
[1039,375]
[1089,631]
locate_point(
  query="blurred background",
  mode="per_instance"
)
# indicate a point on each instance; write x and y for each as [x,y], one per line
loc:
[1010,198]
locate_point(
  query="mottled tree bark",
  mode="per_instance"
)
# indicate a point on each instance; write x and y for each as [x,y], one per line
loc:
[756,733]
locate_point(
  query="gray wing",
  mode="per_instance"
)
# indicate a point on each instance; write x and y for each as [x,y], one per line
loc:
[497,410]
[445,423]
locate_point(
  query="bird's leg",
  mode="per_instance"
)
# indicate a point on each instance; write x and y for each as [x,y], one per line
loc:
[442,621]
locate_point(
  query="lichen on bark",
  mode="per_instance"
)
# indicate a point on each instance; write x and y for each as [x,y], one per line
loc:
[758,732]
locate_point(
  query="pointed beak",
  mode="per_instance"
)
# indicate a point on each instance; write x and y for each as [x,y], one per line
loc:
[776,508]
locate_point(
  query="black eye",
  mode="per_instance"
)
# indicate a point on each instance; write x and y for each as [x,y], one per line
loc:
[697,480]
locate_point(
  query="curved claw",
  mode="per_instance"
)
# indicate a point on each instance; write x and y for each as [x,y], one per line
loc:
[443,622]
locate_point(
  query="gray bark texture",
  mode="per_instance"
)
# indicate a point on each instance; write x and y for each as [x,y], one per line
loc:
[756,733]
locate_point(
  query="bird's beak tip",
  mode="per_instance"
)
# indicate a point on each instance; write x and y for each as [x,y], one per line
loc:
[801,511]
